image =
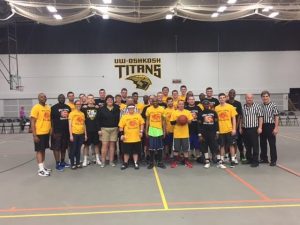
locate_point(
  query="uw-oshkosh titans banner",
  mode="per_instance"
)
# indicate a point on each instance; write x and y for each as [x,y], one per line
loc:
[139,70]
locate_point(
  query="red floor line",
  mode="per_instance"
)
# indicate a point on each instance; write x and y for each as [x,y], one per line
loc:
[150,204]
[288,170]
[257,192]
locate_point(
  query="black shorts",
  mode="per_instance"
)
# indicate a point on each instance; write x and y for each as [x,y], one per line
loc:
[59,141]
[92,138]
[226,139]
[132,148]
[43,144]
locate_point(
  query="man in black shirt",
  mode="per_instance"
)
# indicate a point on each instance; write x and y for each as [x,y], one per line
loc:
[60,132]
[212,101]
[91,113]
[208,131]
[102,94]
[193,126]
[238,107]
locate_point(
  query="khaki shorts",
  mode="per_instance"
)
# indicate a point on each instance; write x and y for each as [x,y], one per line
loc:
[109,134]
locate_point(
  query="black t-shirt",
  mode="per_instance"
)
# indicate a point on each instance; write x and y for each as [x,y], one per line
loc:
[99,102]
[213,102]
[238,107]
[91,114]
[193,126]
[208,121]
[59,118]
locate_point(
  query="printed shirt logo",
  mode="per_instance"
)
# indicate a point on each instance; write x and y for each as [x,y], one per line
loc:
[91,114]
[46,116]
[223,115]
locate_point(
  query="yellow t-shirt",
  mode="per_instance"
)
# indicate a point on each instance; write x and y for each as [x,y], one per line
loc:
[71,105]
[225,114]
[168,113]
[77,122]
[175,103]
[182,97]
[164,99]
[42,116]
[155,116]
[140,106]
[201,106]
[131,124]
[181,131]
[122,106]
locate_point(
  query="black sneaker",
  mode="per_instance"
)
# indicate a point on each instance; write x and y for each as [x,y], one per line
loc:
[161,165]
[150,166]
[232,164]
[273,164]
[73,167]
[263,161]
[136,166]
[79,166]
[124,166]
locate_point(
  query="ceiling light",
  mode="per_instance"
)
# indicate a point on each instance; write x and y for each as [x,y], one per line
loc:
[107,1]
[231,1]
[222,8]
[267,9]
[273,14]
[51,9]
[169,16]
[214,15]
[105,17]
[103,9]
[57,16]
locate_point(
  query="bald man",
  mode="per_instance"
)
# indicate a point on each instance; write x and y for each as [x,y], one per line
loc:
[251,128]
[41,126]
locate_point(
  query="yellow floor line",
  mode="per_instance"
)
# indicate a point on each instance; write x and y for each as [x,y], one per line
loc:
[161,190]
[149,211]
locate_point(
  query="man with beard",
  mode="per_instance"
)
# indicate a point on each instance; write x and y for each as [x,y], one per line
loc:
[60,132]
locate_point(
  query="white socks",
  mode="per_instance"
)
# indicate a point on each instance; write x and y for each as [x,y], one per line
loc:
[41,166]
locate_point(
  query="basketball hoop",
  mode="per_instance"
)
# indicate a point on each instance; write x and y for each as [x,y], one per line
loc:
[20,88]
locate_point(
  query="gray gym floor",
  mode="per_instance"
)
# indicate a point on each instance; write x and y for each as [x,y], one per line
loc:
[92,195]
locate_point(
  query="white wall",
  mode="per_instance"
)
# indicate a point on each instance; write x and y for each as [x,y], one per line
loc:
[87,73]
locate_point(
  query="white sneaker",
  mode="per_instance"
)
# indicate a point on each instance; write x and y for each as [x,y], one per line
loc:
[112,164]
[221,165]
[102,165]
[236,161]
[85,163]
[207,165]
[47,170]
[98,162]
[43,173]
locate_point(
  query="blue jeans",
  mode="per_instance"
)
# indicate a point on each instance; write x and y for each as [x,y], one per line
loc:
[75,148]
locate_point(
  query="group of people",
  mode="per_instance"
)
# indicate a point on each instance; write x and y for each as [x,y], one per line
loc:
[163,127]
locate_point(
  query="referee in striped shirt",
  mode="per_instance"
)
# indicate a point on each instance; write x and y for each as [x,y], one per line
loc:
[269,129]
[251,128]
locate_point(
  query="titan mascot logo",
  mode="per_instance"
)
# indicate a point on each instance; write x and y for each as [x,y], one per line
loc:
[139,70]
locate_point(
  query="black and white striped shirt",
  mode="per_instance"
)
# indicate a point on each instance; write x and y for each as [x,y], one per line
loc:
[251,115]
[269,110]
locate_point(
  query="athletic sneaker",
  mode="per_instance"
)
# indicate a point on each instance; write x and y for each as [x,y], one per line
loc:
[232,164]
[150,166]
[48,170]
[98,162]
[73,167]
[112,164]
[136,166]
[174,164]
[124,166]
[188,164]
[207,165]
[59,167]
[102,165]
[221,165]
[85,163]
[43,173]
[79,166]
[161,165]
[64,164]
[236,161]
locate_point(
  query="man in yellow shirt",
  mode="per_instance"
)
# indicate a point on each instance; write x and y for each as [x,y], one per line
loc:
[165,92]
[131,128]
[71,97]
[183,90]
[41,126]
[227,128]
[181,135]
[175,97]
[155,130]
[168,141]
[78,134]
